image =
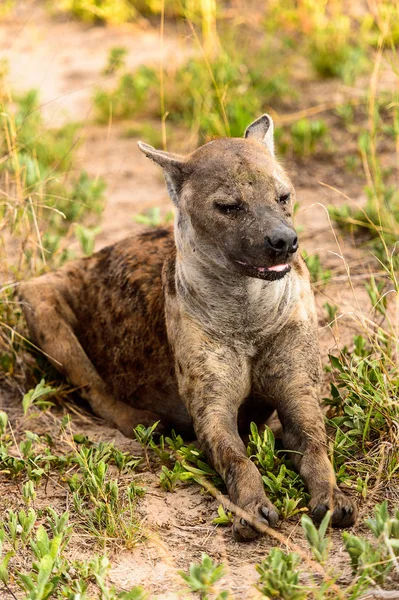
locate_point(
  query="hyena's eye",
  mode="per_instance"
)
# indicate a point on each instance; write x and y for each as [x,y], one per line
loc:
[284,198]
[228,209]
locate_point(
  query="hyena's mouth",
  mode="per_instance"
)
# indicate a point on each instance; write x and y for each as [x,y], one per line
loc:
[271,273]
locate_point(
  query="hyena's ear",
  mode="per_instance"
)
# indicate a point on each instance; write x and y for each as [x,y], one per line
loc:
[262,130]
[174,168]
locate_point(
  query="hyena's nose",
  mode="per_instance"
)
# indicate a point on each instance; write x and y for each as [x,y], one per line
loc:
[283,240]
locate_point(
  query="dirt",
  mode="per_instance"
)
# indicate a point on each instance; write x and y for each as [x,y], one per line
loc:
[63,59]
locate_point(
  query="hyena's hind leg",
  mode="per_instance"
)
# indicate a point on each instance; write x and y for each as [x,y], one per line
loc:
[52,322]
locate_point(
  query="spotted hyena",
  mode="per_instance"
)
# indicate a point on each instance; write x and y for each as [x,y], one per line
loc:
[207,327]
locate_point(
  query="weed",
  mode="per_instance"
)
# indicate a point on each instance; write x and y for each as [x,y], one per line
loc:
[377,221]
[104,508]
[318,275]
[317,540]
[193,461]
[28,492]
[35,397]
[202,577]
[332,51]
[51,573]
[106,11]
[223,518]
[153,218]
[373,560]
[19,527]
[116,60]
[86,237]
[130,95]
[307,136]
[364,408]
[216,100]
[144,436]
[41,201]
[279,576]
[283,485]
[168,479]
[331,310]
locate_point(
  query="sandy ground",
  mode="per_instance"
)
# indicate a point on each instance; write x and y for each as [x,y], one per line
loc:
[64,60]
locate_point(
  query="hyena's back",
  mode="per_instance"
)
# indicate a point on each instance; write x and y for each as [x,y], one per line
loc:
[117,310]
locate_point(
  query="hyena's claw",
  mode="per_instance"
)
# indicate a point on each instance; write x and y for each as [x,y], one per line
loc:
[270,515]
[344,513]
[319,512]
[243,532]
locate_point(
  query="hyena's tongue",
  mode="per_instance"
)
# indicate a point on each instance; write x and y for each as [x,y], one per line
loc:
[278,268]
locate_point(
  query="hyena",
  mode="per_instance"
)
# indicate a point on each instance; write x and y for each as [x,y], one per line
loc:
[207,327]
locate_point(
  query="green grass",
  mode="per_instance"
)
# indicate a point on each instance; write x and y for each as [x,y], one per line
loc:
[48,571]
[210,100]
[36,544]
[318,275]
[372,559]
[282,483]
[43,196]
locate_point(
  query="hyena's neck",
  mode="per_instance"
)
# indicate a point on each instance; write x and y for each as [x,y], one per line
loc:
[233,308]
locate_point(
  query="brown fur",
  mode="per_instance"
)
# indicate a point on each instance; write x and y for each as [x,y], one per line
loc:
[201,331]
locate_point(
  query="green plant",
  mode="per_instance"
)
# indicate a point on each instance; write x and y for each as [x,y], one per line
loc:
[306,136]
[202,577]
[331,310]
[373,560]
[317,540]
[116,60]
[48,572]
[42,198]
[376,223]
[4,560]
[35,397]
[283,485]
[169,478]
[28,492]
[333,51]
[153,218]
[363,407]
[19,527]
[216,98]
[130,96]
[86,237]
[3,422]
[103,505]
[144,435]
[279,576]
[223,518]
[107,11]
[318,275]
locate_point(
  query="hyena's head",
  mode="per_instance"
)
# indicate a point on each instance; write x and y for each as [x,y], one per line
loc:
[234,203]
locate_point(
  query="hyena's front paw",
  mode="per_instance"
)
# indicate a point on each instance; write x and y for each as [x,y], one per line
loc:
[344,510]
[263,511]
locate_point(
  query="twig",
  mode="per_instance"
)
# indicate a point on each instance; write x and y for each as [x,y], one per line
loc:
[313,110]
[384,594]
[10,591]
[391,554]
